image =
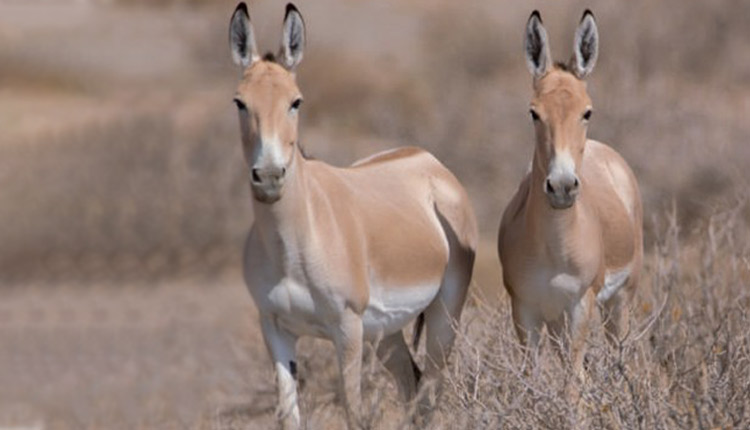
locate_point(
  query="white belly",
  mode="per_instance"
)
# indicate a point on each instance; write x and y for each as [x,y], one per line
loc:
[390,309]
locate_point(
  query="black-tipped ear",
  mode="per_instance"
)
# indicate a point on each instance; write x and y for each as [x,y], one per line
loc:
[293,37]
[242,37]
[586,45]
[536,46]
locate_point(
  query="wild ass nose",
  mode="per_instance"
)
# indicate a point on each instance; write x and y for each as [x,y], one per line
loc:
[268,175]
[562,190]
[267,183]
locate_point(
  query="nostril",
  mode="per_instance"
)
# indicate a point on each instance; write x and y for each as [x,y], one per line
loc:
[575,183]
[283,171]
[548,187]
[256,177]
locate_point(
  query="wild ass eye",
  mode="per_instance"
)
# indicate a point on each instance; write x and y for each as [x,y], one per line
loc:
[240,104]
[534,115]
[296,104]
[587,115]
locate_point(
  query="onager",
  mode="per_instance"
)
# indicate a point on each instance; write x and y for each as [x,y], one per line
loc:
[347,254]
[571,237]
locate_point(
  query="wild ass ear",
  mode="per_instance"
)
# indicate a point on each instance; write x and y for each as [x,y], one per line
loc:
[586,45]
[242,37]
[536,46]
[293,38]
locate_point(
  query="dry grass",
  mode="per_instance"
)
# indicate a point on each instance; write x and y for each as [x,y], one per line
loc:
[125,204]
[682,364]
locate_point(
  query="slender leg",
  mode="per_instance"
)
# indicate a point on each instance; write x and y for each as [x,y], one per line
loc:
[615,315]
[348,342]
[570,332]
[580,319]
[528,328]
[395,355]
[280,344]
[441,319]
[580,324]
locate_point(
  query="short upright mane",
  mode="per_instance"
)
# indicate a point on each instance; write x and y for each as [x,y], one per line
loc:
[565,67]
[270,56]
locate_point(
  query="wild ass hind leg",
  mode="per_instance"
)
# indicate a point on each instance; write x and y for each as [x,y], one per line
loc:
[441,319]
[281,345]
[348,343]
[394,354]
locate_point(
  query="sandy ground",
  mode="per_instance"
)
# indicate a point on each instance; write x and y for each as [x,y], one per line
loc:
[182,354]
[178,355]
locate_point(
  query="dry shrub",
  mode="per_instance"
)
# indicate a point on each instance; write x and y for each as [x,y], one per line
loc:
[682,364]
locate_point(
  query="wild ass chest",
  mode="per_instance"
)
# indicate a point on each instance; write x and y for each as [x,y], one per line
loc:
[298,287]
[555,274]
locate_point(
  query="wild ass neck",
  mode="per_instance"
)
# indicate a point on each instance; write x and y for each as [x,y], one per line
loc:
[554,227]
[280,224]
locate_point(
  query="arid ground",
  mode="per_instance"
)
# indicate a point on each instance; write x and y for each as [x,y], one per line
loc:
[125,203]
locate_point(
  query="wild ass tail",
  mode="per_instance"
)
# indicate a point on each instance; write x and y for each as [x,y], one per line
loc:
[418,326]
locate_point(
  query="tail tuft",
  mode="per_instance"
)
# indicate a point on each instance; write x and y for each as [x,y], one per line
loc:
[418,326]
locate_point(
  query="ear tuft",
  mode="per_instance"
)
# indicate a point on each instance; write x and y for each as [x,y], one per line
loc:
[537,15]
[586,45]
[536,46]
[293,37]
[242,37]
[290,7]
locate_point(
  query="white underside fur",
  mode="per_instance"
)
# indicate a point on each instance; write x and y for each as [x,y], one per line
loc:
[390,309]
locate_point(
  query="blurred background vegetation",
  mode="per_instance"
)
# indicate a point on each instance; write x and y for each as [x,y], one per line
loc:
[119,156]
[120,163]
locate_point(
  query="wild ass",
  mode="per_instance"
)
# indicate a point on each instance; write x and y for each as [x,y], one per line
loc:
[571,237]
[347,254]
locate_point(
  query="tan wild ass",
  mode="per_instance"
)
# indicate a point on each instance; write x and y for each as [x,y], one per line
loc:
[348,254]
[571,237]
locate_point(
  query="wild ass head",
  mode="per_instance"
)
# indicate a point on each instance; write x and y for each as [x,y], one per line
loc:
[268,101]
[561,107]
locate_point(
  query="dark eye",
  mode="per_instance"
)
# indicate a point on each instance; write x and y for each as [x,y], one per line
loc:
[587,115]
[534,115]
[296,104]
[240,104]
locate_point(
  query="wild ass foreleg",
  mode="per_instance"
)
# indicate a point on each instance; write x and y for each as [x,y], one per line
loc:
[579,330]
[348,342]
[577,322]
[280,344]
[529,329]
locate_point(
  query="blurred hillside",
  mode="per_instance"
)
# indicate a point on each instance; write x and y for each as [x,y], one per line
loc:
[120,157]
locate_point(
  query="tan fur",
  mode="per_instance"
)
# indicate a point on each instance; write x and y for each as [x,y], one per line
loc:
[349,254]
[551,258]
